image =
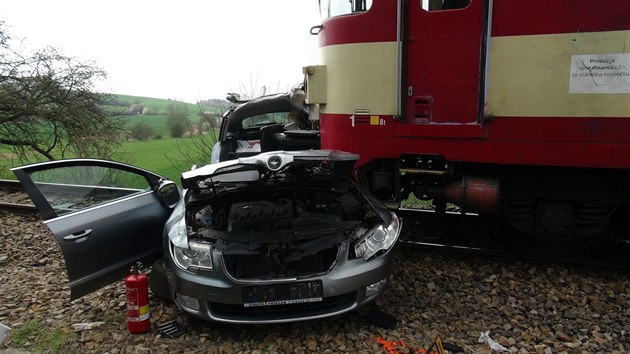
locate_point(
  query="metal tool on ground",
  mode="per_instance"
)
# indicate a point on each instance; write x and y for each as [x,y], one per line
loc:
[170,329]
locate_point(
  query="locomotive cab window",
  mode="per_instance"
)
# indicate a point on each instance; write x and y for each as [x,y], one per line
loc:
[332,8]
[439,5]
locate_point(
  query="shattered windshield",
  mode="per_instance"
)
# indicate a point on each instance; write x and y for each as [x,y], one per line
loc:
[266,119]
[332,8]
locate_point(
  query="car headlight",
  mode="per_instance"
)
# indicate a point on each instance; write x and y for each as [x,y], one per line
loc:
[377,239]
[197,255]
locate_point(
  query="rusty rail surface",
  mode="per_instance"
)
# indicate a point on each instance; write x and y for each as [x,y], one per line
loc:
[12,186]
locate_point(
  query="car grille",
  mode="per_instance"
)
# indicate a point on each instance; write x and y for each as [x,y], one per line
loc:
[271,266]
[328,305]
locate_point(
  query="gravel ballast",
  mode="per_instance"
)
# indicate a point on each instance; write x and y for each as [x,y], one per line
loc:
[527,308]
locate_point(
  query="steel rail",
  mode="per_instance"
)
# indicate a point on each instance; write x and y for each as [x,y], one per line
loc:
[11,184]
[7,185]
[442,245]
[20,209]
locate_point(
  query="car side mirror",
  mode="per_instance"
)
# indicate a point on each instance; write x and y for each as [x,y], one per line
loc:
[169,193]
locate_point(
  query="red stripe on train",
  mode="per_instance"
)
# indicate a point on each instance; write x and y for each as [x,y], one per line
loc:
[557,141]
[510,18]
[530,17]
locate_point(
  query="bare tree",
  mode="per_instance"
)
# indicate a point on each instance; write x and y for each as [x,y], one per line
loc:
[198,149]
[207,134]
[201,139]
[48,108]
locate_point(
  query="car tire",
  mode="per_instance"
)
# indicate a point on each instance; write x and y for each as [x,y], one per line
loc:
[158,281]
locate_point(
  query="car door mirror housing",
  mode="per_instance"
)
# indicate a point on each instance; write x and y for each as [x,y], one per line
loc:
[169,193]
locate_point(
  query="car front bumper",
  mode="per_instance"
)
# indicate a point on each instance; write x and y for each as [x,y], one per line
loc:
[214,295]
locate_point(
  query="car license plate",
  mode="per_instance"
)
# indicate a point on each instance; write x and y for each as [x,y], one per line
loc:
[283,294]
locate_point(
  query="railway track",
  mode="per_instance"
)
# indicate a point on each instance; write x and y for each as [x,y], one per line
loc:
[13,198]
[469,235]
[456,234]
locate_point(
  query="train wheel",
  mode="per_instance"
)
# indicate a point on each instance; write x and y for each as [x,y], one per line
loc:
[553,229]
[546,247]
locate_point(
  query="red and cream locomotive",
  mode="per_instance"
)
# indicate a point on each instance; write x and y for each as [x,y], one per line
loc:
[519,109]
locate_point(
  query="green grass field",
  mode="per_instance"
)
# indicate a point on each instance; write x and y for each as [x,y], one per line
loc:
[156,121]
[166,156]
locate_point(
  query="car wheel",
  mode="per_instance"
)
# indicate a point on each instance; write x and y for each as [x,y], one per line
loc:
[158,282]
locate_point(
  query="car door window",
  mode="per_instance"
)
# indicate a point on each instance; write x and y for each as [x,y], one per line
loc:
[73,188]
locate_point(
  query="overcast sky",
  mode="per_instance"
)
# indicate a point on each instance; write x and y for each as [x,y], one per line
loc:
[186,49]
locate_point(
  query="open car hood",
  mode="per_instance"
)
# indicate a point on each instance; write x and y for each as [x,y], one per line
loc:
[248,169]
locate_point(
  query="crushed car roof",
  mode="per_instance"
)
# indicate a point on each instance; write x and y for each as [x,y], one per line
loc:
[279,102]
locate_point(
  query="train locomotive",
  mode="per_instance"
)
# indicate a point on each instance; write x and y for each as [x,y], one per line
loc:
[514,109]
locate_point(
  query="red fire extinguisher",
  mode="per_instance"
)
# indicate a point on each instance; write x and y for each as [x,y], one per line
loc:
[138,315]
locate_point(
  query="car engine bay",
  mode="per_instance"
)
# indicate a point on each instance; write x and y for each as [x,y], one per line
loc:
[284,231]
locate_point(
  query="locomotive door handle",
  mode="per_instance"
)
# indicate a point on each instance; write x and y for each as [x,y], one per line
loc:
[77,235]
[316,29]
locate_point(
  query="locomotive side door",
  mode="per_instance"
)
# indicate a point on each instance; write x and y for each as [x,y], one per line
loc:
[445,62]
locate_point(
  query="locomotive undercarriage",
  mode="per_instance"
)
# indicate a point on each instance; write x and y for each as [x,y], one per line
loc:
[547,211]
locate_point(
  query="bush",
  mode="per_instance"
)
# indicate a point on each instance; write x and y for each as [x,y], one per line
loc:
[177,124]
[141,131]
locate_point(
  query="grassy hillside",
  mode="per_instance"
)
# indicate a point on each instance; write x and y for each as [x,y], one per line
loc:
[158,106]
[156,110]
[166,156]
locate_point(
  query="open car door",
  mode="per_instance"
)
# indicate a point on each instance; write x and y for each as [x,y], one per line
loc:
[105,216]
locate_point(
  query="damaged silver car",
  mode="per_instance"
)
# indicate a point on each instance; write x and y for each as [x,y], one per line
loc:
[276,237]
